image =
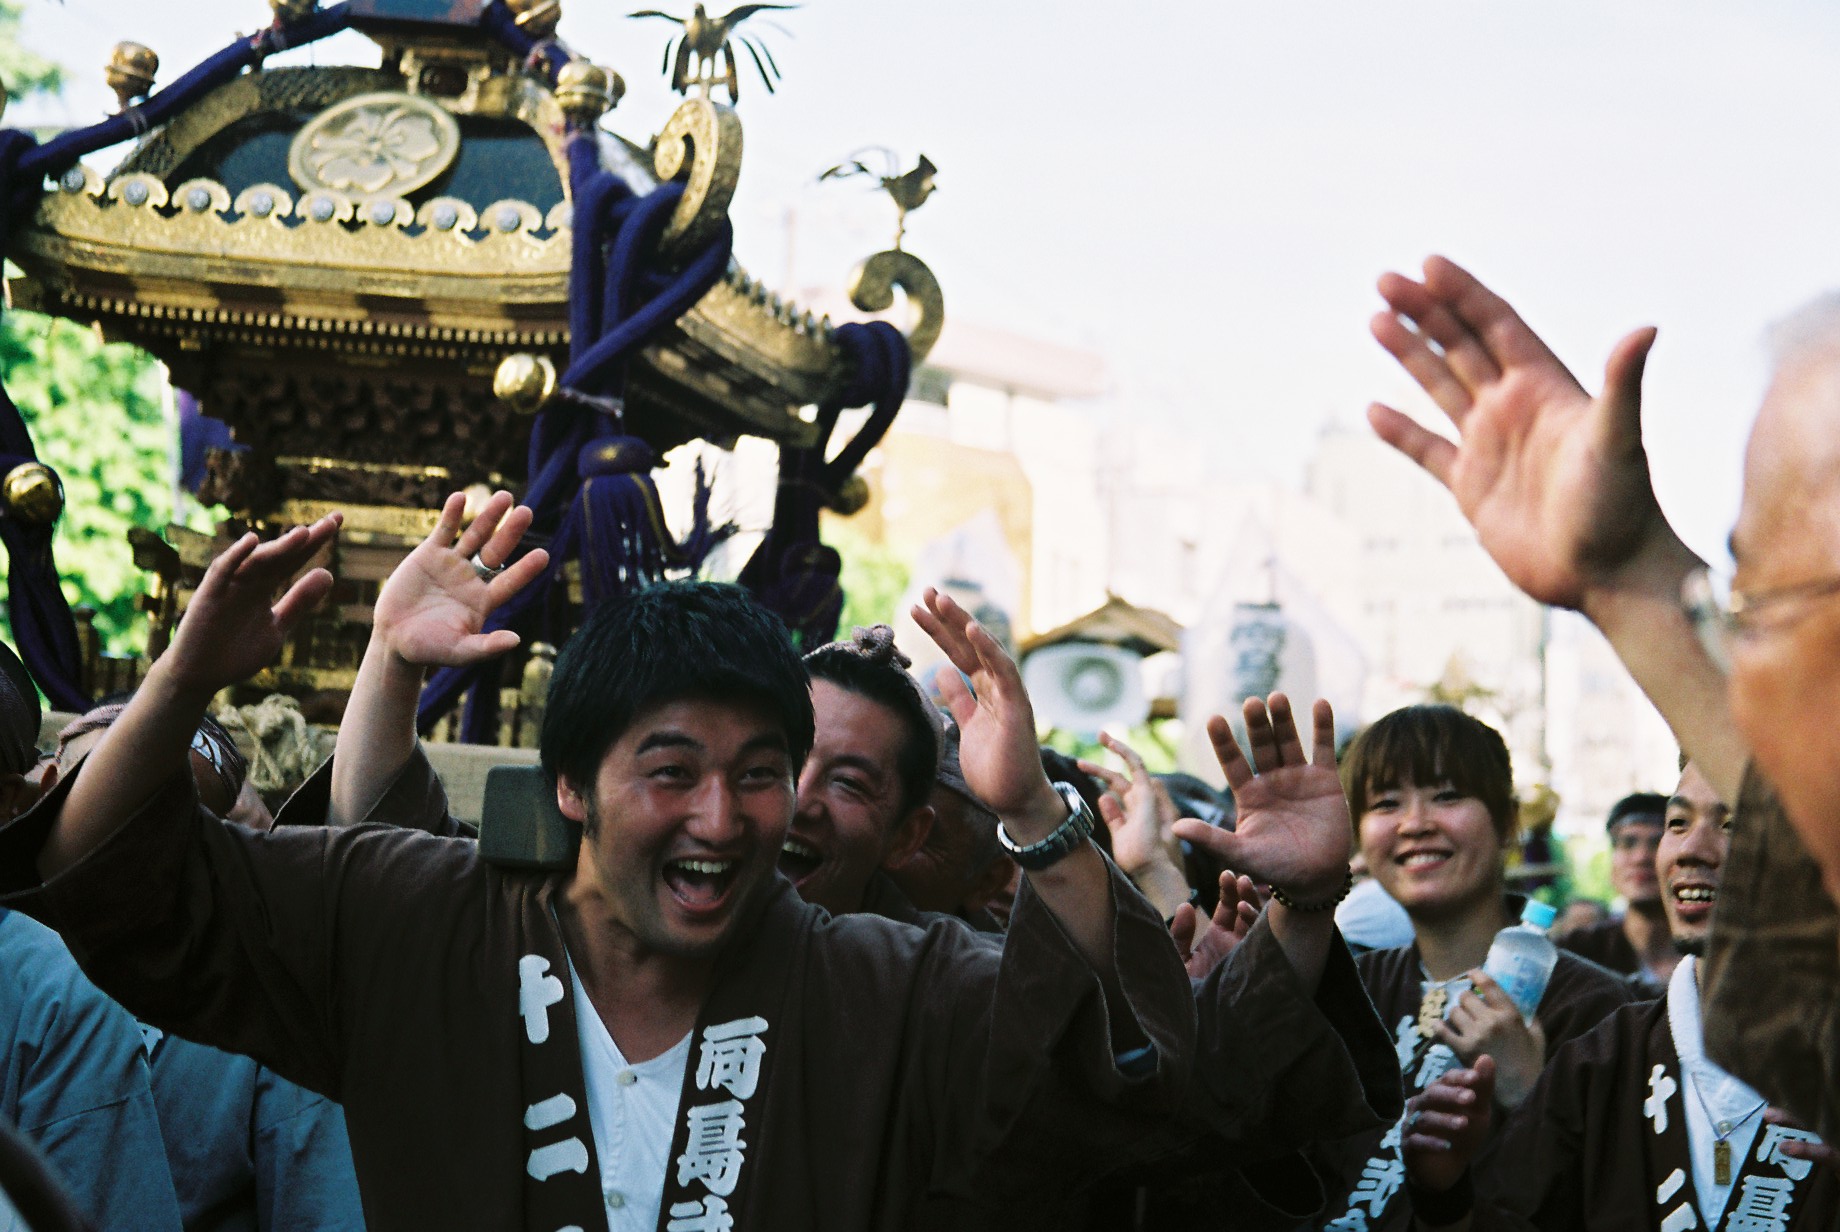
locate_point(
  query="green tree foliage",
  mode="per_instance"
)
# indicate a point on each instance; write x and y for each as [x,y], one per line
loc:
[97,416]
[23,71]
[874,577]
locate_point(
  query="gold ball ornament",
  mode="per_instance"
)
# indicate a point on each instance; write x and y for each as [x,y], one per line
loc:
[32,493]
[851,497]
[290,11]
[131,70]
[586,92]
[525,382]
[536,18]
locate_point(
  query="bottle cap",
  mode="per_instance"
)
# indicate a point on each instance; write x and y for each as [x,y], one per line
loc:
[1538,914]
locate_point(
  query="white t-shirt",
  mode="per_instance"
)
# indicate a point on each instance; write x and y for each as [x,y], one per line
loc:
[633,1111]
[10,1219]
[1725,1096]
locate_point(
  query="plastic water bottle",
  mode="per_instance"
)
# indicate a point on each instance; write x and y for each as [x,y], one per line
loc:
[1522,957]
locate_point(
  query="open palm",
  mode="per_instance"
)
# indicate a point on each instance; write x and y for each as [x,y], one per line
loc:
[434,606]
[997,751]
[235,626]
[1293,829]
[1555,482]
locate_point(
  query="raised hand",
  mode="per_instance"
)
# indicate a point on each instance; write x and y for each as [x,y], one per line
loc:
[1446,1124]
[1293,829]
[1485,1022]
[1555,481]
[1234,915]
[234,625]
[432,608]
[1136,808]
[997,750]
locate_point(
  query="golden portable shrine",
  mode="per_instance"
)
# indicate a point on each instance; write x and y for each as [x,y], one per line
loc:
[386,283]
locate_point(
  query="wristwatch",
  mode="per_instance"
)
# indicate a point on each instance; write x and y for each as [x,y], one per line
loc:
[1066,837]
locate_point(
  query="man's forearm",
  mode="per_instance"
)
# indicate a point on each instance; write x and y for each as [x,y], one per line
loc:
[376,736]
[1645,622]
[149,744]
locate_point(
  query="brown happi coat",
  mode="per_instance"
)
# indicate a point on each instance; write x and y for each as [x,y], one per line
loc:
[1600,1145]
[1770,980]
[381,967]
[1365,1173]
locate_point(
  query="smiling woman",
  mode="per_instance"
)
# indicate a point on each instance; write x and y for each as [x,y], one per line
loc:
[1431,790]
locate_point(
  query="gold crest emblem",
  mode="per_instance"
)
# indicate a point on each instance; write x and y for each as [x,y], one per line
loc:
[375,145]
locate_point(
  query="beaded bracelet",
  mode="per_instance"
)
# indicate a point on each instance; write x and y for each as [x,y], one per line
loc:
[1294,905]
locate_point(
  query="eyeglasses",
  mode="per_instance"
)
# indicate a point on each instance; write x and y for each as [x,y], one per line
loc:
[1722,614]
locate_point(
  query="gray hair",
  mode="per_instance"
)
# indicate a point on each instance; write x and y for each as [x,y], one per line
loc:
[1810,330]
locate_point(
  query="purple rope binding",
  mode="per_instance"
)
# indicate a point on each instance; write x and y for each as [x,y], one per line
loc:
[589,483]
[792,572]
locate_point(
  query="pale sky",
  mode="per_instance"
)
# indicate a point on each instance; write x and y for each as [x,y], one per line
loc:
[1204,194]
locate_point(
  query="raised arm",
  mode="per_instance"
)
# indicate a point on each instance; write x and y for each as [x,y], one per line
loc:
[1557,486]
[1292,831]
[429,613]
[232,628]
[1141,816]
[1002,765]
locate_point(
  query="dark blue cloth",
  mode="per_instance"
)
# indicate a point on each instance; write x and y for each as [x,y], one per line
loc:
[73,1079]
[249,1150]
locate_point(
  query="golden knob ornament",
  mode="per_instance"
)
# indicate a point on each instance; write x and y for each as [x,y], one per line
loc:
[586,92]
[525,382]
[536,18]
[32,493]
[131,71]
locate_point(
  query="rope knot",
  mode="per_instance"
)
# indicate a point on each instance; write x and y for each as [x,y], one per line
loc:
[876,644]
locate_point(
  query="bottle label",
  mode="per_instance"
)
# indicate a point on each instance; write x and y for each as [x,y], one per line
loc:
[1524,980]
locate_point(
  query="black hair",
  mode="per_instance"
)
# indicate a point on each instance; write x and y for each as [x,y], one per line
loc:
[669,642]
[870,666]
[1651,804]
[1426,745]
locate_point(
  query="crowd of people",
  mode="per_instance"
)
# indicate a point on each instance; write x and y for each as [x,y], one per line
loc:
[828,951]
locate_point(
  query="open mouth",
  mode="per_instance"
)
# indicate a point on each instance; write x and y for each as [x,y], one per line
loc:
[701,885]
[1424,859]
[1695,899]
[799,859]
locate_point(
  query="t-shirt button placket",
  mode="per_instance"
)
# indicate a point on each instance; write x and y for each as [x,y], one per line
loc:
[626,1078]
[615,1199]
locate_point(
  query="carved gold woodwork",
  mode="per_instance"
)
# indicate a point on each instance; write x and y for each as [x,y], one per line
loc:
[872,287]
[700,144]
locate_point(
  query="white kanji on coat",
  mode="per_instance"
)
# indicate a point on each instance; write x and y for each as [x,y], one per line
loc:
[1661,1089]
[1406,1046]
[1763,1206]
[1380,1180]
[714,1152]
[1439,1060]
[709,1215]
[1353,1221]
[731,1057]
[537,991]
[1769,1151]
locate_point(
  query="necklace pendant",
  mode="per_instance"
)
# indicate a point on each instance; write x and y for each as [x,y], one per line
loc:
[1721,1162]
[1431,1011]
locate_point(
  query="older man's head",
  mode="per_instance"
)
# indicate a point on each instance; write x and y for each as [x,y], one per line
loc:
[1785,659]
